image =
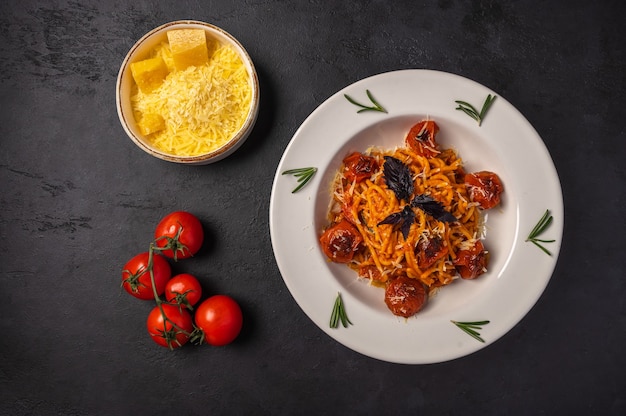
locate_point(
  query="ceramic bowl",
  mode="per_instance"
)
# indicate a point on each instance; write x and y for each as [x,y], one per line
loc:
[125,86]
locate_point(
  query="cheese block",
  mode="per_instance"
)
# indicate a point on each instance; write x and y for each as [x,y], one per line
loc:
[189,47]
[151,123]
[149,73]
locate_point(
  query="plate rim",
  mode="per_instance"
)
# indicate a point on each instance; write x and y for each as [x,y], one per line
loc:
[279,179]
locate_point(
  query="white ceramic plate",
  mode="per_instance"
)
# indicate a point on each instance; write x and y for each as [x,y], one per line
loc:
[505,143]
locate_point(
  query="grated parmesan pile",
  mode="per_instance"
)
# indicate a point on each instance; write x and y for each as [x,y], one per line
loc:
[203,106]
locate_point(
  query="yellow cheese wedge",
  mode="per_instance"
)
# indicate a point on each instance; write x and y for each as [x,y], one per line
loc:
[151,123]
[189,47]
[149,73]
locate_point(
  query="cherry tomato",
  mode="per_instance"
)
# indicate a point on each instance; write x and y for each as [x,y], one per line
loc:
[220,318]
[371,272]
[341,241]
[484,188]
[405,296]
[346,209]
[183,289]
[136,277]
[176,330]
[421,138]
[472,263]
[181,233]
[429,251]
[358,167]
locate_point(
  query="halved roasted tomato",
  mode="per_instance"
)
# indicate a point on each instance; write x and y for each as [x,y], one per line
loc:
[358,167]
[341,241]
[471,263]
[421,138]
[484,188]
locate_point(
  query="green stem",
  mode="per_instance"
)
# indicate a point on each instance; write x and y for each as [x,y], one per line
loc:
[158,301]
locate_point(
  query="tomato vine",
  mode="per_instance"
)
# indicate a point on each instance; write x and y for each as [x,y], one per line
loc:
[147,276]
[169,335]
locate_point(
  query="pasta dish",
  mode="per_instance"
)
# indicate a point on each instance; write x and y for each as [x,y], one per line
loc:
[409,219]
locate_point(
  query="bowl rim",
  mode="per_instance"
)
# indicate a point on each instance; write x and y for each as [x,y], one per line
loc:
[225,149]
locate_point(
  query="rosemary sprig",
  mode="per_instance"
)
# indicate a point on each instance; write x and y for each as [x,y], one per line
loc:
[471,327]
[375,107]
[471,111]
[541,226]
[304,175]
[339,314]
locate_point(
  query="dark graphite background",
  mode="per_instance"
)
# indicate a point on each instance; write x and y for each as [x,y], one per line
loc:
[79,199]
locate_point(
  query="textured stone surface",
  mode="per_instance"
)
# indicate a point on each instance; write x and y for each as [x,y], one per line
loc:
[79,199]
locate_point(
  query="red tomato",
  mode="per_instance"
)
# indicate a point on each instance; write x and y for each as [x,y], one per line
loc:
[183,289]
[173,332]
[346,209]
[180,233]
[371,272]
[341,241]
[136,276]
[484,188]
[429,251]
[473,262]
[421,138]
[358,167]
[220,318]
[405,296]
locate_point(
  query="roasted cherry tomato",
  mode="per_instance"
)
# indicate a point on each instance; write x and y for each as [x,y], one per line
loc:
[371,272]
[358,167]
[341,241]
[421,138]
[173,332]
[183,289]
[472,263]
[346,209]
[405,296]
[180,233]
[136,276]
[220,318]
[484,188]
[429,251]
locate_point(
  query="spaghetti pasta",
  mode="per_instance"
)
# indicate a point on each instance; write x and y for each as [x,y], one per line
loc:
[399,237]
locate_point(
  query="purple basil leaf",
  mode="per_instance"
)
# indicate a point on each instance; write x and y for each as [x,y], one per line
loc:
[398,178]
[401,220]
[421,199]
[433,208]
[393,219]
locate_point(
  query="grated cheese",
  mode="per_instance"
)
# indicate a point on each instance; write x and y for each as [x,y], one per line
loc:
[202,106]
